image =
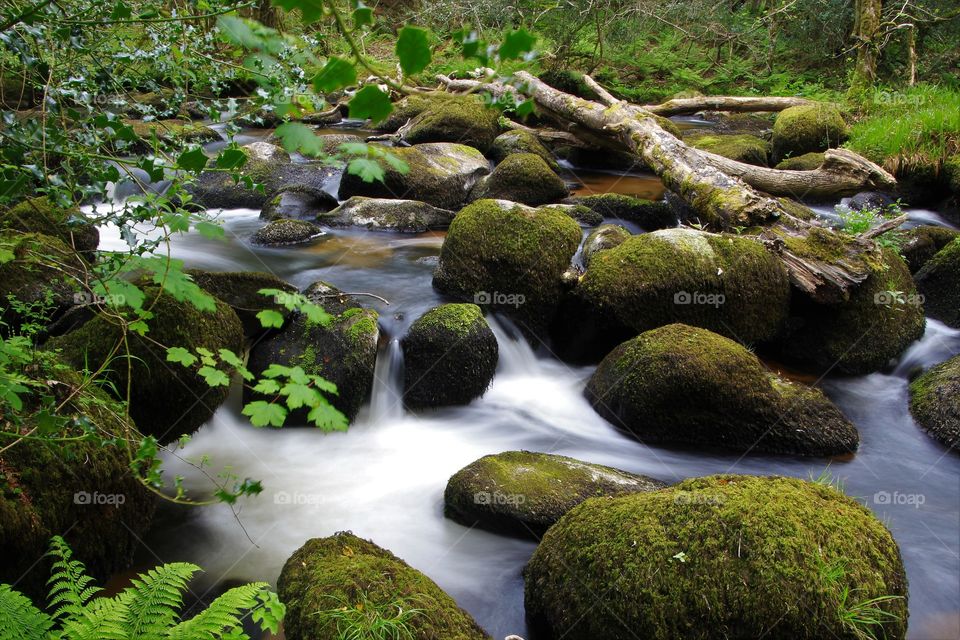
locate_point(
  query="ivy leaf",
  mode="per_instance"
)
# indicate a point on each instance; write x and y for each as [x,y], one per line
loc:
[230,358]
[327,417]
[371,103]
[194,160]
[413,49]
[263,413]
[270,319]
[214,377]
[181,355]
[335,74]
[300,395]
[231,159]
[516,44]
[295,136]
[366,169]
[267,387]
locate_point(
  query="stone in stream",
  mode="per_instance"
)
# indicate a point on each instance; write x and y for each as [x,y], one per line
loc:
[650,215]
[81,490]
[606,236]
[729,284]
[344,352]
[440,174]
[241,290]
[519,141]
[923,242]
[284,232]
[883,316]
[685,385]
[463,119]
[935,402]
[524,493]
[344,570]
[741,147]
[449,357]
[166,399]
[939,282]
[298,202]
[39,215]
[508,257]
[802,129]
[714,558]
[521,177]
[384,214]
[870,200]
[806,162]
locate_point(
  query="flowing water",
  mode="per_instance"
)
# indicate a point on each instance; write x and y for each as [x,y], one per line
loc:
[384,478]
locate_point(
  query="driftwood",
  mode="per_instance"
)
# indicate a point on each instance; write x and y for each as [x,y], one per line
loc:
[721,197]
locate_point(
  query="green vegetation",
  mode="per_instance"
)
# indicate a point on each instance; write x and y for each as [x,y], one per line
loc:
[935,402]
[368,620]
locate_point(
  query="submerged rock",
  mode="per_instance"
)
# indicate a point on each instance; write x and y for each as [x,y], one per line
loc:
[343,570]
[650,215]
[383,214]
[344,352]
[298,202]
[508,257]
[519,141]
[523,493]
[440,174]
[923,242]
[935,402]
[939,282]
[240,290]
[461,119]
[522,177]
[606,236]
[283,231]
[39,215]
[747,557]
[684,385]
[807,128]
[449,355]
[742,147]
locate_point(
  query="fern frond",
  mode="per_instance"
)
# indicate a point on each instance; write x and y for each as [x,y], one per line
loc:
[222,614]
[101,619]
[154,600]
[70,586]
[19,619]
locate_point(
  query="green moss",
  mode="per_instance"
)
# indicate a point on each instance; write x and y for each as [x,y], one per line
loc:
[919,244]
[520,141]
[935,402]
[681,384]
[951,169]
[650,215]
[522,177]
[712,558]
[286,231]
[806,162]
[517,252]
[325,573]
[39,215]
[742,148]
[939,282]
[173,131]
[606,236]
[807,128]
[464,119]
[524,493]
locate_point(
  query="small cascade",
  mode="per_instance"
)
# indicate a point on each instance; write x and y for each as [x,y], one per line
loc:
[516,356]
[386,399]
[939,343]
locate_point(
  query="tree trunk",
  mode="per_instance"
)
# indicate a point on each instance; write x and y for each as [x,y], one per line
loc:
[865,27]
[680,106]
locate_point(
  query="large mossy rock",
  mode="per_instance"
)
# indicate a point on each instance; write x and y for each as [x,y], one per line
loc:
[520,141]
[742,147]
[684,385]
[298,202]
[344,351]
[863,334]
[462,119]
[524,494]
[509,257]
[80,490]
[240,290]
[384,214]
[39,215]
[935,402]
[440,174]
[449,357]
[922,243]
[522,177]
[939,282]
[344,570]
[807,128]
[729,284]
[716,558]
[166,399]
[650,215]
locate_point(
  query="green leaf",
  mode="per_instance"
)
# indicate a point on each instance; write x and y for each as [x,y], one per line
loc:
[298,137]
[371,103]
[413,49]
[267,387]
[516,44]
[214,377]
[120,11]
[525,108]
[238,31]
[312,10]
[231,159]
[337,73]
[300,395]
[270,319]
[366,169]
[230,358]
[181,355]
[327,417]
[263,413]
[194,160]
[210,230]
[362,16]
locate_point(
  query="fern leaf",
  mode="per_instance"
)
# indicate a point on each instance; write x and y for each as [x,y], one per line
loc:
[101,619]
[70,586]
[154,600]
[223,614]
[19,619]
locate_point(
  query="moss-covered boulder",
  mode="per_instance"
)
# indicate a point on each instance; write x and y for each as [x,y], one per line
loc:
[39,215]
[449,357]
[170,131]
[606,236]
[806,128]
[298,202]
[524,494]
[725,283]
[520,141]
[935,402]
[166,399]
[344,570]
[81,490]
[806,162]
[648,214]
[344,352]
[285,231]
[240,290]
[919,244]
[742,147]
[939,282]
[464,120]
[43,274]
[716,558]
[863,334]
[522,177]
[508,257]
[440,174]
[385,214]
[684,385]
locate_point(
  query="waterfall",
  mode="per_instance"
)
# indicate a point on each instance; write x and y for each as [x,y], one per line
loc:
[516,356]
[386,399]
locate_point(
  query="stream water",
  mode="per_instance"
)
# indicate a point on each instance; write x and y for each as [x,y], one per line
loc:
[384,478]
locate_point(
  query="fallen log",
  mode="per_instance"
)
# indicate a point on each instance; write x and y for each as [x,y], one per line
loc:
[681,106]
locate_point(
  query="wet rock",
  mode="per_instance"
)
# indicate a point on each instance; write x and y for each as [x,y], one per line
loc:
[606,236]
[923,242]
[935,402]
[298,202]
[806,162]
[519,141]
[939,283]
[870,200]
[742,148]
[39,215]
[806,128]
[283,232]
[461,119]
[650,215]
[522,177]
[383,214]
[241,290]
